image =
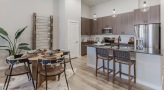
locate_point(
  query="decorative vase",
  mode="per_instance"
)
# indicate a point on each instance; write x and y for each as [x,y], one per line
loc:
[18,55]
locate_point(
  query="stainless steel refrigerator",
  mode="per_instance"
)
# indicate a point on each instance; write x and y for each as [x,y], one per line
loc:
[148,36]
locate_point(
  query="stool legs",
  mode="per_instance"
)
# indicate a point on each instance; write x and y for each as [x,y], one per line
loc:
[120,70]
[107,70]
[135,72]
[113,71]
[96,65]
[129,76]
[103,67]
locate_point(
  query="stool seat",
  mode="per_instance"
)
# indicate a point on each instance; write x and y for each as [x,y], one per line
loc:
[17,71]
[105,58]
[125,62]
[53,71]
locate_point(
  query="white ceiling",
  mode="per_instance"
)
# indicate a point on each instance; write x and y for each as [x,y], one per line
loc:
[93,2]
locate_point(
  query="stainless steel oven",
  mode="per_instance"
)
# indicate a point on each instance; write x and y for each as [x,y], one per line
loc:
[107,31]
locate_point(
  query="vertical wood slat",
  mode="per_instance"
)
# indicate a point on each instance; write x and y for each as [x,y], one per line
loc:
[34,31]
[35,28]
[51,32]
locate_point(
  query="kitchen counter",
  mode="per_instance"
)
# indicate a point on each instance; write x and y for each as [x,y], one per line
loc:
[148,64]
[144,50]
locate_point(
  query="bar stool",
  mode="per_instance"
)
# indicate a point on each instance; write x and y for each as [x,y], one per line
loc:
[20,70]
[124,57]
[54,71]
[103,54]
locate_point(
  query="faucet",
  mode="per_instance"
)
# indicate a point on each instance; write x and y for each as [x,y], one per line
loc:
[119,39]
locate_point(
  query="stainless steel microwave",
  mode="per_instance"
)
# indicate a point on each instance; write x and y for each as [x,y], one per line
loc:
[107,31]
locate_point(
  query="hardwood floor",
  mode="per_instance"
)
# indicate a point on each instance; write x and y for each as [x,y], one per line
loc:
[85,79]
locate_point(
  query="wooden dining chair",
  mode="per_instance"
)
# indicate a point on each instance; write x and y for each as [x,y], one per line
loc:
[20,70]
[53,71]
[124,57]
[104,55]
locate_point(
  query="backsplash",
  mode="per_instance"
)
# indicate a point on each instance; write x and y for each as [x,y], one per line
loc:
[124,38]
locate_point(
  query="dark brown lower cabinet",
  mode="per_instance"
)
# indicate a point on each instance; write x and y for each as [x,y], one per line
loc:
[84,47]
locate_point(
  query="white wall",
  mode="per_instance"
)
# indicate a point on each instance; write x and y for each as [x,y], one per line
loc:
[56,24]
[121,6]
[162,35]
[85,11]
[106,8]
[68,10]
[16,14]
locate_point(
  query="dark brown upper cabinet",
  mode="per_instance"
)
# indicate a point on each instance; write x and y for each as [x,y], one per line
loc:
[130,24]
[85,26]
[140,17]
[154,14]
[107,22]
[94,30]
[122,24]
[100,25]
[151,16]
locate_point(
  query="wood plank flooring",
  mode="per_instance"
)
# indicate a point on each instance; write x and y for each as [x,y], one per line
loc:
[85,79]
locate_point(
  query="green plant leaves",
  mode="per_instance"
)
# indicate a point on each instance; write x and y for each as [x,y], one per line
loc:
[19,32]
[3,46]
[23,44]
[11,48]
[3,32]
[4,38]
[24,48]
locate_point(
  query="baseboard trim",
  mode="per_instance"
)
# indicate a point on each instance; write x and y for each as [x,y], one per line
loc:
[138,81]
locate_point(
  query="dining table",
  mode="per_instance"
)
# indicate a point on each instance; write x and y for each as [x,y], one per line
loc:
[40,56]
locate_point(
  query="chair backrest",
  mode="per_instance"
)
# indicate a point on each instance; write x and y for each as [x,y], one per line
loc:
[122,55]
[14,60]
[52,61]
[102,52]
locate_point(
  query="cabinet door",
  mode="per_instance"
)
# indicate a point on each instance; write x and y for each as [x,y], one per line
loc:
[100,25]
[154,14]
[94,30]
[106,21]
[140,17]
[120,24]
[83,26]
[88,25]
[124,21]
[114,24]
[130,26]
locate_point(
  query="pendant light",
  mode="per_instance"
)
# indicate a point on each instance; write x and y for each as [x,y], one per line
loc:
[94,16]
[144,7]
[114,13]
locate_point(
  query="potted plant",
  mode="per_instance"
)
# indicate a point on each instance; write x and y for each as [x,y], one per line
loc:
[13,48]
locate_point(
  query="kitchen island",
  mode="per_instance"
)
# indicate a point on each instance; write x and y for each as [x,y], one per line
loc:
[148,65]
